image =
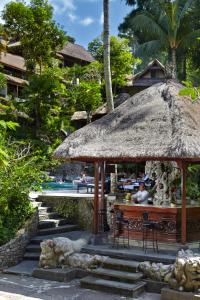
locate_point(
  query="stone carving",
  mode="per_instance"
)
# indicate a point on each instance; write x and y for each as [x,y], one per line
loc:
[183,275]
[55,252]
[85,261]
[186,272]
[155,271]
[166,173]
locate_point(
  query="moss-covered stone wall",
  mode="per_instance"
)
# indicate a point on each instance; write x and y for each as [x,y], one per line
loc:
[12,252]
[78,210]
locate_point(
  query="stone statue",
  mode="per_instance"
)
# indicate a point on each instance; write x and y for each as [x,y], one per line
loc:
[85,261]
[62,252]
[155,271]
[186,272]
[183,275]
[166,173]
[56,251]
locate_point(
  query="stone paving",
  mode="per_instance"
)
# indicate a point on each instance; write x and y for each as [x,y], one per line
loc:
[14,287]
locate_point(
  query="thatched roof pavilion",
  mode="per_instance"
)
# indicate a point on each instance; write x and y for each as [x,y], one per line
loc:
[156,123]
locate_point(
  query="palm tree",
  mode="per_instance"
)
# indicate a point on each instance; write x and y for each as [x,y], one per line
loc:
[168,28]
[107,71]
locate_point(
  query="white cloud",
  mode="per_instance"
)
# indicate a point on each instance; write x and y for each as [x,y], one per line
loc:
[61,6]
[87,21]
[72,17]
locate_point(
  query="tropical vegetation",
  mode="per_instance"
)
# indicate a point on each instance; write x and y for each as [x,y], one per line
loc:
[122,61]
[30,127]
[167,30]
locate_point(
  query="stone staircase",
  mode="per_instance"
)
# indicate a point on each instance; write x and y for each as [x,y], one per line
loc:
[117,276]
[51,225]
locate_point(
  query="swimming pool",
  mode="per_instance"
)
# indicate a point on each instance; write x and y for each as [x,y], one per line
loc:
[59,185]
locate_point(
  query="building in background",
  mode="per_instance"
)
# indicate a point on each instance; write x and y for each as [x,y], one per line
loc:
[155,72]
[13,65]
[152,74]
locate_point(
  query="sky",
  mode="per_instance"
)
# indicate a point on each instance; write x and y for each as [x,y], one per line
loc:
[83,19]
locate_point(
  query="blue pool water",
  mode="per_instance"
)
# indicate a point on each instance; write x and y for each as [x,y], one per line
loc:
[59,186]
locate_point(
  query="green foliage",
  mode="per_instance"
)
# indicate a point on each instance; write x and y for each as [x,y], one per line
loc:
[68,209]
[121,58]
[45,103]
[5,127]
[86,96]
[16,180]
[193,182]
[164,27]
[2,81]
[33,25]
[19,173]
[190,90]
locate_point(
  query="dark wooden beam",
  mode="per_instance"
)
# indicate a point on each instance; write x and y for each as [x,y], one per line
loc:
[96,199]
[184,209]
[102,185]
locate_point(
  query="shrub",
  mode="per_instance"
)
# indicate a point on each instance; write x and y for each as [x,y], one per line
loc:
[16,181]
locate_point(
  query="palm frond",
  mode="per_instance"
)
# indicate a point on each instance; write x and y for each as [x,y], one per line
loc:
[150,47]
[188,38]
[183,10]
[147,23]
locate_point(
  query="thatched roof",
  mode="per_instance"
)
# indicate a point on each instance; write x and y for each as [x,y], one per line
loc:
[156,123]
[15,80]
[69,49]
[14,61]
[76,51]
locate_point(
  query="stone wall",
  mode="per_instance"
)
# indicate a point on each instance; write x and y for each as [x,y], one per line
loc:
[12,252]
[78,210]
[68,170]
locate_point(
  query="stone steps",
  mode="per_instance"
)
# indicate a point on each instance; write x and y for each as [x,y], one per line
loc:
[61,275]
[115,287]
[33,248]
[135,254]
[44,209]
[52,215]
[115,275]
[118,276]
[59,229]
[121,264]
[25,267]
[71,235]
[32,255]
[49,223]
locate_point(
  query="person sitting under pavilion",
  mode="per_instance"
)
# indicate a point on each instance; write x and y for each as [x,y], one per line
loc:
[141,197]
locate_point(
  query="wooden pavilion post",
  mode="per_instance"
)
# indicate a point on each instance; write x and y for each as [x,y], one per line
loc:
[103,199]
[96,199]
[183,210]
[102,185]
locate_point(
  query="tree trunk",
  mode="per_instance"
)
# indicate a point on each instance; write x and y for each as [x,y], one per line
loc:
[107,71]
[174,67]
